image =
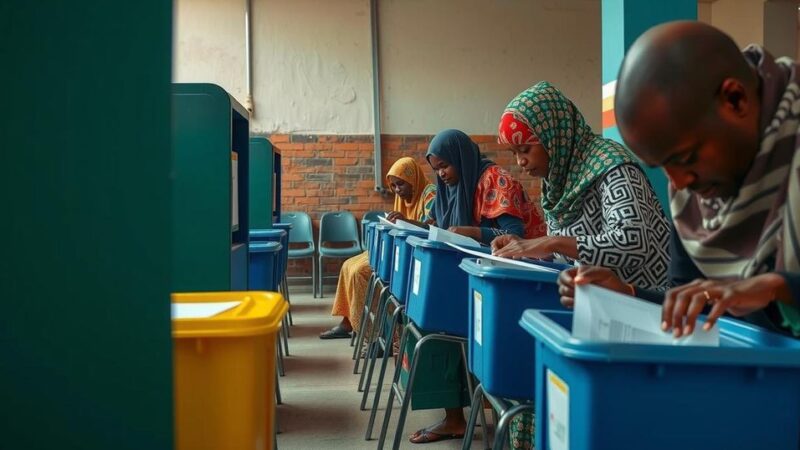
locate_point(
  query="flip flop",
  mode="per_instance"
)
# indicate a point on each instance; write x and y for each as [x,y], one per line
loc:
[336,332]
[426,436]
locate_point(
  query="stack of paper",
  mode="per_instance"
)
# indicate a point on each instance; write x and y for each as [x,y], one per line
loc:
[605,315]
[487,259]
[442,235]
[403,225]
[200,310]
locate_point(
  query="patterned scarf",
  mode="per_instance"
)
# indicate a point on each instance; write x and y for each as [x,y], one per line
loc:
[454,204]
[758,230]
[578,157]
[409,171]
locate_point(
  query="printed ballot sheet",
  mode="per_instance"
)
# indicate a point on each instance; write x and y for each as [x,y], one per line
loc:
[487,259]
[442,235]
[605,315]
[401,225]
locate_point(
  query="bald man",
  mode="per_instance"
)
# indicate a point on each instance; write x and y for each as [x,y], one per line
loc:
[723,124]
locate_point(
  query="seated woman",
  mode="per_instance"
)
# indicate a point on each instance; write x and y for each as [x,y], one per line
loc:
[598,203]
[414,196]
[475,198]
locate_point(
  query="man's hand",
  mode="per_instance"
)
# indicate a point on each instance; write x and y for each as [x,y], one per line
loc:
[684,303]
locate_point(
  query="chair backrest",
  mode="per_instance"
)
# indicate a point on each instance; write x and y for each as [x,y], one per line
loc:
[302,232]
[338,226]
[372,216]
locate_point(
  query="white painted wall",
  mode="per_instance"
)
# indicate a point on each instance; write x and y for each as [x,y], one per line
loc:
[461,61]
[704,12]
[743,20]
[444,63]
[311,60]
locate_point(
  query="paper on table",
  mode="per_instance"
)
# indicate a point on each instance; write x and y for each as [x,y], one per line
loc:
[497,261]
[605,315]
[442,235]
[386,222]
[403,225]
[200,310]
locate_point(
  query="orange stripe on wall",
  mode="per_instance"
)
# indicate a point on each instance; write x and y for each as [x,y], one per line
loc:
[608,119]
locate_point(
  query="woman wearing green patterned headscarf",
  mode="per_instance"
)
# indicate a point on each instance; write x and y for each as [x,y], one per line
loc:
[598,204]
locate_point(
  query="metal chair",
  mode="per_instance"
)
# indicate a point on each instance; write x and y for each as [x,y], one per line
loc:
[336,227]
[302,233]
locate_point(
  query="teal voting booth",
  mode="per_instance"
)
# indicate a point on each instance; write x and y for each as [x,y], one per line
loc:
[211,155]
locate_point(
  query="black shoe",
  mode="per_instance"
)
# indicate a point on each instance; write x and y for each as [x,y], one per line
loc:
[337,332]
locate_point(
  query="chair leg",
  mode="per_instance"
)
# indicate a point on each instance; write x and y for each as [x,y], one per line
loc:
[405,402]
[393,391]
[501,430]
[359,342]
[379,385]
[278,389]
[314,276]
[281,372]
[284,290]
[372,347]
[320,275]
[285,334]
[477,403]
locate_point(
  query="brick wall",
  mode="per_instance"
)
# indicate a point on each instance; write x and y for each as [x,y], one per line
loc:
[324,173]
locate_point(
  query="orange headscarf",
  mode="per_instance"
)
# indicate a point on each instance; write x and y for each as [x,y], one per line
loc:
[409,171]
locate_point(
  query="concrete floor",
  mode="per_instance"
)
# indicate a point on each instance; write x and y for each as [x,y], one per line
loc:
[320,407]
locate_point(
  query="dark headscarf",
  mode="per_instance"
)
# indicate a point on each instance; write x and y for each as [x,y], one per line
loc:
[454,204]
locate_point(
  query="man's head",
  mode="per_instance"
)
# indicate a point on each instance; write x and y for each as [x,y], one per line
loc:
[688,101]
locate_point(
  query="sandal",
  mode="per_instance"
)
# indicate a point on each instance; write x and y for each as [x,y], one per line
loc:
[426,436]
[337,332]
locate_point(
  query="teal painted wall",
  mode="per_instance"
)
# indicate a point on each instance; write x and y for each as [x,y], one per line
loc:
[622,22]
[85,345]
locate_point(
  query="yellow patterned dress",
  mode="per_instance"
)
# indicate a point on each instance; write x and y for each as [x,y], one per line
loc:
[352,287]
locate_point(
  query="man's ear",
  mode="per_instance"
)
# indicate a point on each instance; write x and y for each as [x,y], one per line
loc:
[734,98]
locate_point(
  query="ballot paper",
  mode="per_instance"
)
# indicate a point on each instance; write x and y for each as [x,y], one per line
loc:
[383,220]
[201,310]
[487,259]
[605,315]
[403,225]
[448,237]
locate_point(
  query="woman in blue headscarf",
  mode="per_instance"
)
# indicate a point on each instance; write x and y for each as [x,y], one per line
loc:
[476,197]
[479,199]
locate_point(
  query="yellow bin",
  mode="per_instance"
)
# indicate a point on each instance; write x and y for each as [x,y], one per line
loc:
[224,368]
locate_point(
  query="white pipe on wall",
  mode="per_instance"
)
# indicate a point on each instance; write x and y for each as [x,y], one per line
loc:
[248,48]
[376,99]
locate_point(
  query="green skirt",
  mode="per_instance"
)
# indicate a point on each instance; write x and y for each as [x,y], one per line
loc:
[440,379]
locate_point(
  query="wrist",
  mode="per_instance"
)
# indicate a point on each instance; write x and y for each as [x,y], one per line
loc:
[778,289]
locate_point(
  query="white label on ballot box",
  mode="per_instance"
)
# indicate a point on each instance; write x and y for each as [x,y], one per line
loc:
[415,280]
[558,412]
[477,312]
[397,259]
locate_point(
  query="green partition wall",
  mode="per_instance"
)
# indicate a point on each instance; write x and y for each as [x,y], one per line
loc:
[85,345]
[263,183]
[209,253]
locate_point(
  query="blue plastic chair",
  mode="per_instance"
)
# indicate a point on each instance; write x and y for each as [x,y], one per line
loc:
[302,233]
[337,227]
[369,216]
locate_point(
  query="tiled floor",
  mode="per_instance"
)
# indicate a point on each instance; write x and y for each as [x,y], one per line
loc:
[320,407]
